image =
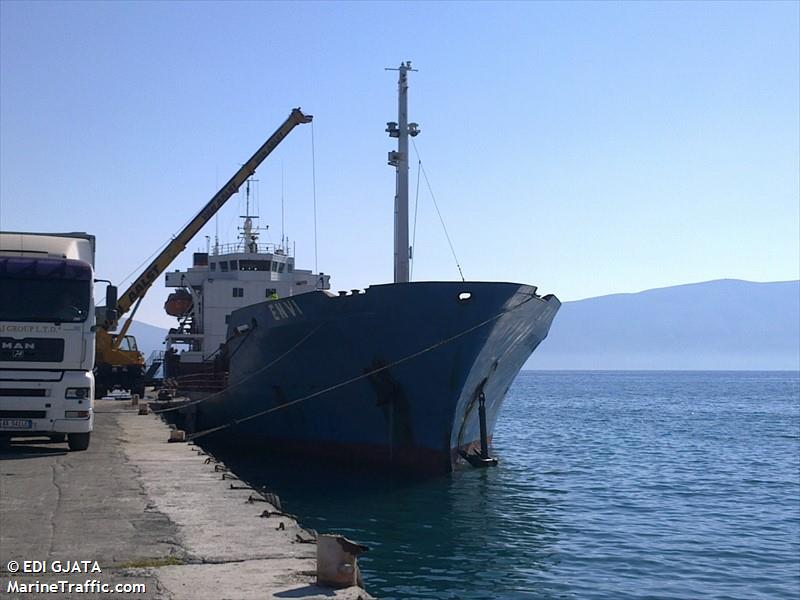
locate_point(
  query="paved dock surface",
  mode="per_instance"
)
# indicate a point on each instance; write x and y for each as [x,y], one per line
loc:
[148,512]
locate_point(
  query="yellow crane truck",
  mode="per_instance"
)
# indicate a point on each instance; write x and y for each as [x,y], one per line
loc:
[118,362]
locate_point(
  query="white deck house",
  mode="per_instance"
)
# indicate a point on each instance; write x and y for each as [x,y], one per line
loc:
[230,277]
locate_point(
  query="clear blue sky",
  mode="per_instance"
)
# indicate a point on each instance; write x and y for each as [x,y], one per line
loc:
[585,148]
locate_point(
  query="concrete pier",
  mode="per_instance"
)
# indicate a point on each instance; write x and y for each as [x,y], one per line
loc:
[148,512]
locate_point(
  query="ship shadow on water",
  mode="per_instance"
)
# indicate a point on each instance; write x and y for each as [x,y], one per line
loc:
[427,536]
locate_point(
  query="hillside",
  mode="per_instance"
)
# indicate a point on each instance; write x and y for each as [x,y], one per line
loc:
[148,337]
[722,324]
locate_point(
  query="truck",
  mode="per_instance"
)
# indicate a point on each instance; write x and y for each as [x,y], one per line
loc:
[47,335]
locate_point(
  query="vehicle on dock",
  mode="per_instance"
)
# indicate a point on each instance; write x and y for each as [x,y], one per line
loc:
[47,335]
[119,364]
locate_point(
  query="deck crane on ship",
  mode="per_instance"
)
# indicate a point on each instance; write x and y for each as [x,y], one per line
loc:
[118,362]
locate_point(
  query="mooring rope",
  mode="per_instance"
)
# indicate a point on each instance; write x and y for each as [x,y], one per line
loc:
[358,377]
[250,376]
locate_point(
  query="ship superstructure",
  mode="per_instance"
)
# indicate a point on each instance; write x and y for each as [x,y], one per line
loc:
[228,277]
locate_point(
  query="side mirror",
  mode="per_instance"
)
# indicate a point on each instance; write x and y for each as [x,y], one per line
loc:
[111,297]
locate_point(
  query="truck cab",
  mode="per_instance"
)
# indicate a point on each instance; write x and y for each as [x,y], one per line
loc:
[47,340]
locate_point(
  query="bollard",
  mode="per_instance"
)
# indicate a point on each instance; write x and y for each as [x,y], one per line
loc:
[177,435]
[337,564]
[135,400]
[144,408]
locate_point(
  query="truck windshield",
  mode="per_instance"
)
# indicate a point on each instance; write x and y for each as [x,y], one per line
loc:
[44,290]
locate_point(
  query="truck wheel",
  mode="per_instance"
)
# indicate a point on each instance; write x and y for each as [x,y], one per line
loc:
[57,437]
[78,441]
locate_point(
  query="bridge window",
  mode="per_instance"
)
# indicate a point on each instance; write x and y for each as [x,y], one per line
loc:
[280,267]
[269,292]
[223,266]
[238,292]
[213,266]
[234,265]
[254,265]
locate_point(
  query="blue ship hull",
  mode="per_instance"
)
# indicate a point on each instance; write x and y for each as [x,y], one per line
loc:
[389,376]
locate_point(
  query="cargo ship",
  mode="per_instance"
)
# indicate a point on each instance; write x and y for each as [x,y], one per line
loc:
[407,375]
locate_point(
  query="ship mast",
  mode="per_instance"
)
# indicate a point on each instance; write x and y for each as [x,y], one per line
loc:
[399,159]
[249,233]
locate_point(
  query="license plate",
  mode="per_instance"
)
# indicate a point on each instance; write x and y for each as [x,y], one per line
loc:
[16,424]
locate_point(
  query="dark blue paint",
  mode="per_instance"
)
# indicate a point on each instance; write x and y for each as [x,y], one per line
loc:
[432,349]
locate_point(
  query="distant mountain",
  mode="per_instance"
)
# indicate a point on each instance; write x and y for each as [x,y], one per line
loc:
[722,324]
[148,337]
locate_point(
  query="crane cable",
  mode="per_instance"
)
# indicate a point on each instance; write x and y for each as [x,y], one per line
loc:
[138,268]
[438,212]
[365,375]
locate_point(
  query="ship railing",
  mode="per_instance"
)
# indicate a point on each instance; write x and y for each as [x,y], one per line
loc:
[213,381]
[249,248]
[154,364]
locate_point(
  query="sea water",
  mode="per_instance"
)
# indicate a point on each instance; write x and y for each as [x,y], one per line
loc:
[610,485]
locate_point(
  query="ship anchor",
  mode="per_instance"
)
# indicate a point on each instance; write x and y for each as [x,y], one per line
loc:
[481,459]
